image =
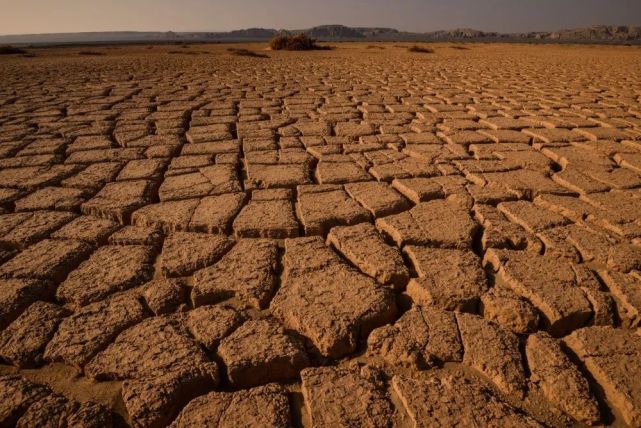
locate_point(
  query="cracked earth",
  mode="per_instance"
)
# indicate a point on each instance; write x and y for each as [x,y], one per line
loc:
[357,237]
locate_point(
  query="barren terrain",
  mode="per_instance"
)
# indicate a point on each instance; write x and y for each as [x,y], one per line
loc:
[362,236]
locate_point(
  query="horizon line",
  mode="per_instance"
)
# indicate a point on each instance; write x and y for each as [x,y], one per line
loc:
[309,28]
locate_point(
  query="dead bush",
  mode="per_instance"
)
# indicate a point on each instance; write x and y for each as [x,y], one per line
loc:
[11,50]
[420,49]
[246,52]
[295,43]
[91,53]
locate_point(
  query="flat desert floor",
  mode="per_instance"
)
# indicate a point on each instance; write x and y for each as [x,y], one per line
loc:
[362,236]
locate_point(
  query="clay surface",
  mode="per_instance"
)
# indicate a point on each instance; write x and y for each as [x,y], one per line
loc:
[359,237]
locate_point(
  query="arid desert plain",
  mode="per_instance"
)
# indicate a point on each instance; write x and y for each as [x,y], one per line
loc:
[357,237]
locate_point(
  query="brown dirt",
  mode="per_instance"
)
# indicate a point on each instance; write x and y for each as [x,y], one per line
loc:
[348,237]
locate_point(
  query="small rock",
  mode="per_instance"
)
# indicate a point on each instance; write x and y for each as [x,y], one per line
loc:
[110,269]
[164,296]
[612,356]
[153,347]
[559,379]
[421,335]
[210,324]
[260,352]
[442,398]
[493,351]
[346,397]
[16,395]
[153,402]
[23,342]
[89,330]
[452,280]
[262,407]
[185,252]
[16,295]
[248,272]
[509,311]
[327,301]
[367,250]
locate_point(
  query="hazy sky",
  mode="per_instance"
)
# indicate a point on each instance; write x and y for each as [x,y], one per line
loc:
[45,16]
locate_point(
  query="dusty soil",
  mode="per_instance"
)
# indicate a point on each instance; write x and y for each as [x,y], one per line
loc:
[351,237]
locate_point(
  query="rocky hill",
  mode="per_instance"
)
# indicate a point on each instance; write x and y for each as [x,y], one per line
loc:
[600,32]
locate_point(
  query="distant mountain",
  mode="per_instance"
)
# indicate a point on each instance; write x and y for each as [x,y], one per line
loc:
[461,33]
[333,32]
[599,32]
[248,34]
[595,34]
[95,37]
[377,32]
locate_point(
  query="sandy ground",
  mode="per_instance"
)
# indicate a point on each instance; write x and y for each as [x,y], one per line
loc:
[355,237]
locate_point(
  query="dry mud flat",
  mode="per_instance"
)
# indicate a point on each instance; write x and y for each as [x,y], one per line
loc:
[356,237]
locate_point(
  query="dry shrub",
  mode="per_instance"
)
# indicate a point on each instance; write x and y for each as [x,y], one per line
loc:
[420,49]
[295,43]
[11,50]
[91,53]
[246,52]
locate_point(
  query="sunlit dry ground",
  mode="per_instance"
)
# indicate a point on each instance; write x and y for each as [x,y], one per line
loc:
[356,237]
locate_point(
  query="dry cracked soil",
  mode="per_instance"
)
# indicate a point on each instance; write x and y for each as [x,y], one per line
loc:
[348,238]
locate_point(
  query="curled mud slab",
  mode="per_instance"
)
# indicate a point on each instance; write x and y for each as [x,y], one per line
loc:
[340,238]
